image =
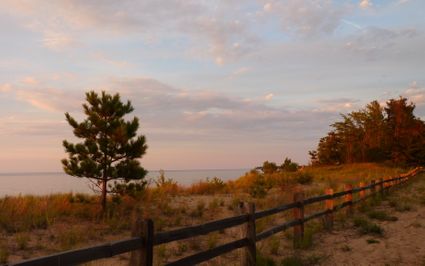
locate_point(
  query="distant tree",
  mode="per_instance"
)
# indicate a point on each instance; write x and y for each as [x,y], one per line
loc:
[329,150]
[289,166]
[269,167]
[405,131]
[110,146]
[314,160]
[375,134]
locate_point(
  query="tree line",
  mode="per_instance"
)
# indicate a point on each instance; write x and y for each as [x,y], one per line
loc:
[390,133]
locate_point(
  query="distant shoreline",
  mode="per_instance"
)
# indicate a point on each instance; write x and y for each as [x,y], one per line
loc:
[149,171]
[42,183]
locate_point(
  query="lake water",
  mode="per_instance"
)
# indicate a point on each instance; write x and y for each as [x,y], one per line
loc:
[47,183]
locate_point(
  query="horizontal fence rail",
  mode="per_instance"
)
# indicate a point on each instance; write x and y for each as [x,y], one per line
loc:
[141,245]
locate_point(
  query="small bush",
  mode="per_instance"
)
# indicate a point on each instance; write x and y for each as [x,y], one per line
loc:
[304,178]
[69,238]
[307,241]
[372,241]
[209,186]
[259,187]
[274,245]
[214,204]
[381,216]
[22,240]
[346,248]
[289,166]
[199,211]
[181,248]
[4,255]
[403,207]
[292,261]
[212,240]
[262,260]
[161,251]
[367,227]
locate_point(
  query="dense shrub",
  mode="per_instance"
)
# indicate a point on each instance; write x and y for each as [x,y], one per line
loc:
[289,166]
[209,186]
[304,178]
[259,187]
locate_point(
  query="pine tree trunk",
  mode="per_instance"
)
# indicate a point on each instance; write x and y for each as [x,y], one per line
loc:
[104,196]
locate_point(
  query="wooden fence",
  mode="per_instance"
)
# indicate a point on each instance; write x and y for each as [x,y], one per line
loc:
[144,239]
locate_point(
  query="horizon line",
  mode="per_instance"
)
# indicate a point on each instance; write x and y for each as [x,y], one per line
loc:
[149,171]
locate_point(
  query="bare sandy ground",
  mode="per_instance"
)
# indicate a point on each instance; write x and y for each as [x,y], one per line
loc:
[402,243]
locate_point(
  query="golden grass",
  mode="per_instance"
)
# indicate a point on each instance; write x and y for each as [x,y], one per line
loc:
[169,205]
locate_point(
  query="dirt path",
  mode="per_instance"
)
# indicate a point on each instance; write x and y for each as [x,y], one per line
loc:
[402,241]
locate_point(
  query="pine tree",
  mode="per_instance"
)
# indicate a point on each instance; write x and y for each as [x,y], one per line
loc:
[110,146]
[405,131]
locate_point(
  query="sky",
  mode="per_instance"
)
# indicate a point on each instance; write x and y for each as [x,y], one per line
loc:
[215,84]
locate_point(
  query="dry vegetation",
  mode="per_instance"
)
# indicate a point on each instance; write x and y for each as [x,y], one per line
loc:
[32,226]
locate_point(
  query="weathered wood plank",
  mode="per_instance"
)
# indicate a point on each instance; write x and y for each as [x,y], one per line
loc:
[340,194]
[85,255]
[277,229]
[209,254]
[329,205]
[202,229]
[316,215]
[282,208]
[317,199]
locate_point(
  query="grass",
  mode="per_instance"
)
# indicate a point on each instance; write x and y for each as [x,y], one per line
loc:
[171,205]
[274,245]
[309,231]
[22,240]
[346,248]
[367,227]
[297,260]
[381,216]
[262,260]
[372,241]
[4,254]
[292,261]
[70,238]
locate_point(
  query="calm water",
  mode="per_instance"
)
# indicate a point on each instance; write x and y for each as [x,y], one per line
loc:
[46,183]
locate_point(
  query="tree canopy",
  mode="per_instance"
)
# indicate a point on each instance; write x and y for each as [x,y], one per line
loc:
[110,146]
[375,134]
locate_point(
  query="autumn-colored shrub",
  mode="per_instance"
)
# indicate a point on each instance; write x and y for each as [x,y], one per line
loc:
[209,186]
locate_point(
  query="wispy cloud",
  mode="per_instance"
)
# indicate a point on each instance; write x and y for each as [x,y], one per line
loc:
[415,93]
[213,27]
[365,4]
[339,105]
[5,87]
[30,80]
[307,18]
[44,98]
[373,41]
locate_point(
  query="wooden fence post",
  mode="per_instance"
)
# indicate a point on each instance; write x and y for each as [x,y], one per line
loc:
[373,188]
[299,215]
[349,198]
[381,188]
[143,256]
[362,193]
[243,232]
[386,185]
[250,250]
[329,204]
